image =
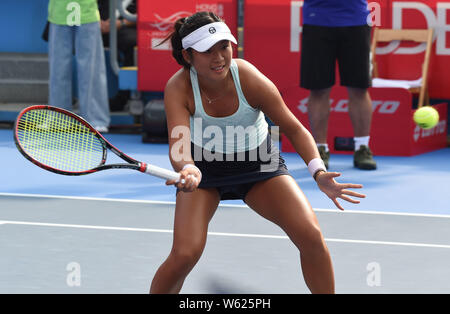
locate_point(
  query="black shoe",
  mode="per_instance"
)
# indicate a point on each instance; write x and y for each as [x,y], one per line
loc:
[324,155]
[362,159]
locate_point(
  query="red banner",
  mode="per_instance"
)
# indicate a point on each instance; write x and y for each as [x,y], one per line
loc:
[393,131]
[273,30]
[155,22]
[404,60]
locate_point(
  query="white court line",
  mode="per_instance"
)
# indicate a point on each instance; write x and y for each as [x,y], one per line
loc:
[83,198]
[323,210]
[223,234]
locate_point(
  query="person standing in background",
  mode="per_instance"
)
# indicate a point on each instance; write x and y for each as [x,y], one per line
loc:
[75,29]
[126,43]
[338,30]
[126,30]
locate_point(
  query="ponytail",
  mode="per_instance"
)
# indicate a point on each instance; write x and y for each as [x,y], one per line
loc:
[177,45]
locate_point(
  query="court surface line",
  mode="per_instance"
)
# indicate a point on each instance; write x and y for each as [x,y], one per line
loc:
[323,210]
[224,234]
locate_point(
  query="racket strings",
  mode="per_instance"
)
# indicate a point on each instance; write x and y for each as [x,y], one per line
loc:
[59,141]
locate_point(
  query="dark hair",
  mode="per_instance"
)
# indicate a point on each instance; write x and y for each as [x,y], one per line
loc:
[183,27]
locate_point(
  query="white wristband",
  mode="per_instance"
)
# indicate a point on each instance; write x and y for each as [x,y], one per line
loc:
[315,165]
[193,166]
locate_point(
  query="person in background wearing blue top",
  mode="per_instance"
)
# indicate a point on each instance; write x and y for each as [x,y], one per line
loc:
[338,30]
[214,92]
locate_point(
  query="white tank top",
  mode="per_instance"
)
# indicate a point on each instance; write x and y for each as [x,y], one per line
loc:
[244,130]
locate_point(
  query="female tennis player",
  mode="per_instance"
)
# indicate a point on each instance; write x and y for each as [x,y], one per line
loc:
[211,96]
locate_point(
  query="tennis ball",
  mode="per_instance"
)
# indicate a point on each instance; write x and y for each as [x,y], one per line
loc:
[426,117]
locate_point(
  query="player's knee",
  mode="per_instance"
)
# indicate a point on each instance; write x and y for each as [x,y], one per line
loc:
[312,240]
[187,257]
[357,93]
[320,93]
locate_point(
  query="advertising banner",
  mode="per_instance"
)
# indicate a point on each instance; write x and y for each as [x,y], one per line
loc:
[273,28]
[393,131]
[155,22]
[403,60]
[272,42]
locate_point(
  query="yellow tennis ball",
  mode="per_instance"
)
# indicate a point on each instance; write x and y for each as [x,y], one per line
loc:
[426,117]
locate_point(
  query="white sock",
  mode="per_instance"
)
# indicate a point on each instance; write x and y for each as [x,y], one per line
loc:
[362,140]
[323,145]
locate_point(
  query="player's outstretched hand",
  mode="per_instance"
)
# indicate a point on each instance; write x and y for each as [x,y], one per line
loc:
[335,190]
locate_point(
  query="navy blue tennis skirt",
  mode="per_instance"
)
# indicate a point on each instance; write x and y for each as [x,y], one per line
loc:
[233,175]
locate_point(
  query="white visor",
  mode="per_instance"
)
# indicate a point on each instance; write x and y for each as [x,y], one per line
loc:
[207,36]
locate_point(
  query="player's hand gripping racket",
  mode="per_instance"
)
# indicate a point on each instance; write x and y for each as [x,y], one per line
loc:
[62,142]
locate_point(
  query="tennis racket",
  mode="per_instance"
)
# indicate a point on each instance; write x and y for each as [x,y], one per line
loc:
[62,142]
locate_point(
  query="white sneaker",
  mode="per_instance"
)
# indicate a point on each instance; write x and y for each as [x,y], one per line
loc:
[101,129]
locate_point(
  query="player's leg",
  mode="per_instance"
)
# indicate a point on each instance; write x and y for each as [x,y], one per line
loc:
[318,60]
[296,217]
[354,67]
[91,71]
[193,211]
[354,70]
[318,113]
[360,110]
[60,52]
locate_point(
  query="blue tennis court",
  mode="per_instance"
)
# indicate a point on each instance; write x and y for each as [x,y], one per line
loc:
[108,232]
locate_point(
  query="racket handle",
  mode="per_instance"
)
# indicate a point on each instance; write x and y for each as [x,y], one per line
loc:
[161,172]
